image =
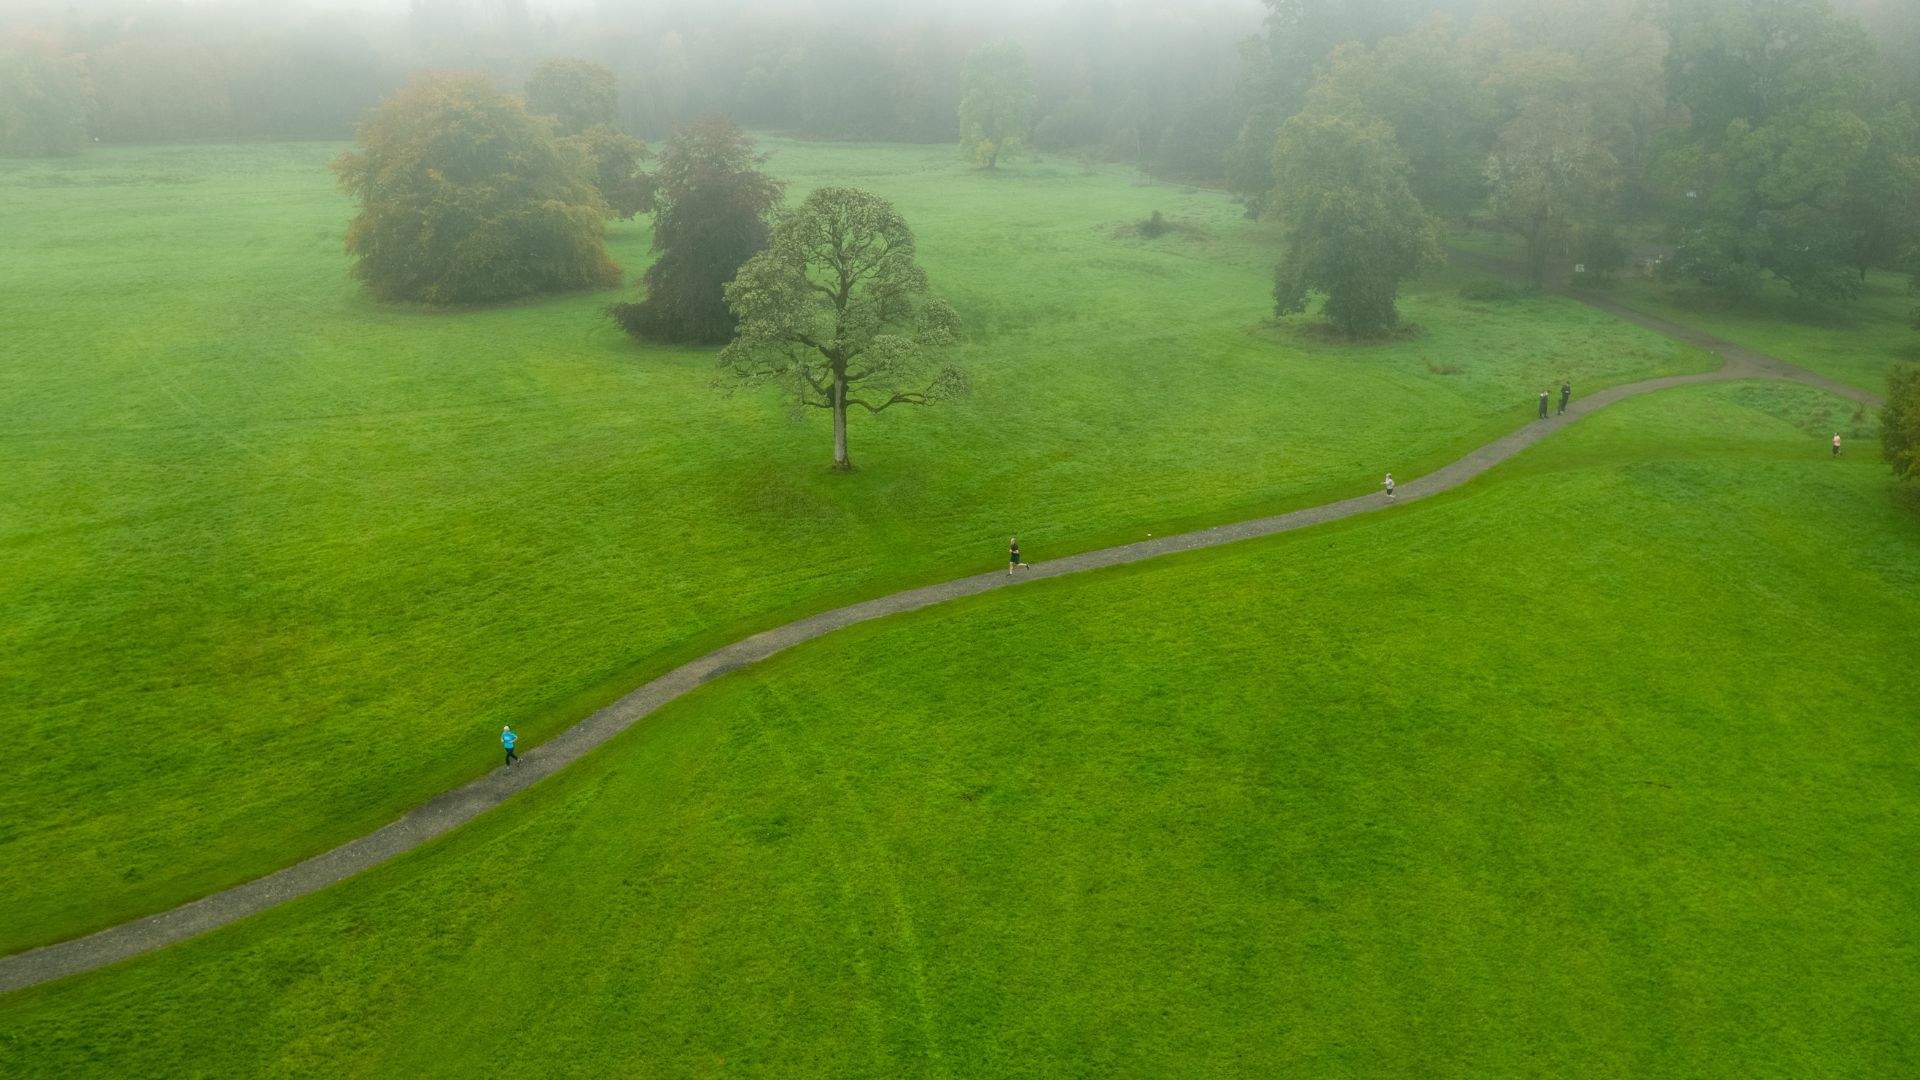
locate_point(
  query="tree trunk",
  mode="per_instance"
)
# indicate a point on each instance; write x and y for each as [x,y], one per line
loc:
[841,462]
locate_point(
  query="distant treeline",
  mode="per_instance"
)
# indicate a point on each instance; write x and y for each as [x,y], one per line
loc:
[1135,82]
[1754,122]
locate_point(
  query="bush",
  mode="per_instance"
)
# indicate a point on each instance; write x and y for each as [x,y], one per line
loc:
[465,197]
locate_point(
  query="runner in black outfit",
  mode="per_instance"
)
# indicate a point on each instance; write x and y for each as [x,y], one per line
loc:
[1013,556]
[1566,391]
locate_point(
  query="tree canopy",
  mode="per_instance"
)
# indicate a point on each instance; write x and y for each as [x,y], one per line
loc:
[1900,421]
[1548,173]
[713,202]
[996,107]
[465,198]
[836,312]
[614,160]
[1353,228]
[1759,179]
[1423,85]
[578,94]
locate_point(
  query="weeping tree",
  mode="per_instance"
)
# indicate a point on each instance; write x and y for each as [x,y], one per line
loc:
[836,312]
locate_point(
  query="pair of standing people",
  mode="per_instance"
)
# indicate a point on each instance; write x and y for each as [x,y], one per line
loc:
[1566,395]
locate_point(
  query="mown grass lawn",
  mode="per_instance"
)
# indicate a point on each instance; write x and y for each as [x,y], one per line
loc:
[280,561]
[1603,765]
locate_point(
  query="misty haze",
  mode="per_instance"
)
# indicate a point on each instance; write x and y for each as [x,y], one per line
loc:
[872,538]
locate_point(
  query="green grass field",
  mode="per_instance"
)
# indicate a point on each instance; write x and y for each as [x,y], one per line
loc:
[281,560]
[1602,765]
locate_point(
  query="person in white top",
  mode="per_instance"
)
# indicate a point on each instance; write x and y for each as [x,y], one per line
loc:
[1388,484]
[1836,444]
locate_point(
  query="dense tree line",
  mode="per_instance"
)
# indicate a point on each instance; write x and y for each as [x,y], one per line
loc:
[1738,140]
[1126,82]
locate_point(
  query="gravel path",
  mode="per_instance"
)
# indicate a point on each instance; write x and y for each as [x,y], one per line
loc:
[463,804]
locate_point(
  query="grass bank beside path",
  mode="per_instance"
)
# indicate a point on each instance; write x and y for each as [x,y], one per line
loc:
[1854,341]
[1602,765]
[281,560]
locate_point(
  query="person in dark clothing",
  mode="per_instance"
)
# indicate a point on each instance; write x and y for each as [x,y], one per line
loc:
[1543,404]
[1013,556]
[1566,392]
[507,739]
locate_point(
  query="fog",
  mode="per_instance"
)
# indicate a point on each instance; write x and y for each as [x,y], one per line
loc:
[1169,85]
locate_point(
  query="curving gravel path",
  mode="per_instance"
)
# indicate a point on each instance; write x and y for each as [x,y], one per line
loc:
[463,804]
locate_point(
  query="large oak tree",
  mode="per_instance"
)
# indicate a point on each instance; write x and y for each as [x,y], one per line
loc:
[1353,227]
[837,312]
[466,198]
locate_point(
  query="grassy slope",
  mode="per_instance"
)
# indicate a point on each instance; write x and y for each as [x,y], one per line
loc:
[1601,766]
[281,561]
[1854,342]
